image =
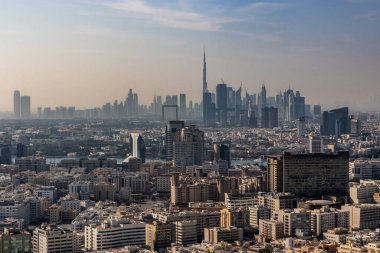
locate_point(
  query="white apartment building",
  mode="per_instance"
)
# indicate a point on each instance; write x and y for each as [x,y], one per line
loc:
[12,209]
[49,192]
[114,233]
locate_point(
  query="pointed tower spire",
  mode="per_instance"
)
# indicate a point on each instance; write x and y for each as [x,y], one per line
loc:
[204,72]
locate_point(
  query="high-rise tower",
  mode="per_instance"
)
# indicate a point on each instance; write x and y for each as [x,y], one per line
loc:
[17,103]
[137,146]
[204,73]
[263,96]
[25,106]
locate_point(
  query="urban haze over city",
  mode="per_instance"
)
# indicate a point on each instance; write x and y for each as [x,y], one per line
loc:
[190,126]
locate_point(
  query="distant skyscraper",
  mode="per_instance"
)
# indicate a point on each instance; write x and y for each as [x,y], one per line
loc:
[335,122]
[172,134]
[301,126]
[209,110]
[205,104]
[238,104]
[252,119]
[25,106]
[263,96]
[131,103]
[230,98]
[317,111]
[204,73]
[224,153]
[298,106]
[137,146]
[135,103]
[182,105]
[22,150]
[269,117]
[17,103]
[5,154]
[174,100]
[288,105]
[159,104]
[221,103]
[355,126]
[39,111]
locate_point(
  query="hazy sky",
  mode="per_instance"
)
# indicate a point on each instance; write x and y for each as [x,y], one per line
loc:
[88,52]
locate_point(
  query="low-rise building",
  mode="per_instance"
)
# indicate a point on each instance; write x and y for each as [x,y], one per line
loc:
[218,234]
[12,240]
[363,216]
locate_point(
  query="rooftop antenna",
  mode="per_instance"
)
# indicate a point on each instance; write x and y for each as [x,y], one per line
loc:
[222,80]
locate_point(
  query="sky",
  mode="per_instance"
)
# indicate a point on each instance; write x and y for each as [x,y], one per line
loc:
[89,52]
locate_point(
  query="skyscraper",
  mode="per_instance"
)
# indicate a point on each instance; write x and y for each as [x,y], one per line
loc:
[263,96]
[269,117]
[182,105]
[335,122]
[224,153]
[221,103]
[172,134]
[132,103]
[288,105]
[298,106]
[206,96]
[317,110]
[22,150]
[25,106]
[16,103]
[208,110]
[137,146]
[204,73]
[159,104]
[174,100]
[5,154]
[238,103]
[301,126]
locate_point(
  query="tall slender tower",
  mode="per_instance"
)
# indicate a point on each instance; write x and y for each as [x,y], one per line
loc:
[263,96]
[204,73]
[17,103]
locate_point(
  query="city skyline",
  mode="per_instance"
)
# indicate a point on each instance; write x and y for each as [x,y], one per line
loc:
[90,53]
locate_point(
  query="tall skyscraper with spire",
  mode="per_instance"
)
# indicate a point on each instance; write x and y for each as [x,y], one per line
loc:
[206,96]
[204,73]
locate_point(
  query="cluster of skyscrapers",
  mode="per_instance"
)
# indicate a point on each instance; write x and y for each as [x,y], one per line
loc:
[226,107]
[21,105]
